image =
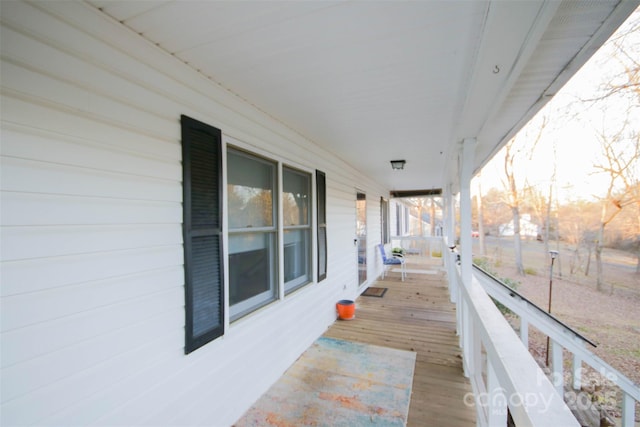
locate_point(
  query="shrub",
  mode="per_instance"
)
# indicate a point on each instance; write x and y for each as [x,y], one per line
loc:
[485,264]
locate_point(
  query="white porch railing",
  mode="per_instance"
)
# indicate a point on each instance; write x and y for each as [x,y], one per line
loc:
[431,247]
[561,337]
[508,378]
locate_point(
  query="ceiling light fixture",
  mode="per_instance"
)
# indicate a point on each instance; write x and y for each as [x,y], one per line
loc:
[398,164]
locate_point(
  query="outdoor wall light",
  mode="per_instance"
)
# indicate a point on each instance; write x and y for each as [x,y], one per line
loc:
[398,164]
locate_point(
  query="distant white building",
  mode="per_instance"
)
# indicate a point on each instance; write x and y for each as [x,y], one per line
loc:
[527,228]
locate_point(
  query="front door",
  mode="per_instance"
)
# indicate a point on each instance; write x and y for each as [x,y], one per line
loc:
[361,235]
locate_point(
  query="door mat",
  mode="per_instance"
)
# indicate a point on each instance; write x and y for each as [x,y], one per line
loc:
[375,292]
[339,383]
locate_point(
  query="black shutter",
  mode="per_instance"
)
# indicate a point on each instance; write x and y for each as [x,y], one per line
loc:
[202,232]
[384,220]
[321,206]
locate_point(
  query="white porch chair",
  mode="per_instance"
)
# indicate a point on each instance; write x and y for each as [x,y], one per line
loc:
[396,259]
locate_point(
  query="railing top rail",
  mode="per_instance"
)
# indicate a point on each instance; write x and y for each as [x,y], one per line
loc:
[518,373]
[546,324]
[518,295]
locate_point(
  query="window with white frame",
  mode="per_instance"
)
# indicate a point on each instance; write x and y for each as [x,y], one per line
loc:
[296,202]
[251,191]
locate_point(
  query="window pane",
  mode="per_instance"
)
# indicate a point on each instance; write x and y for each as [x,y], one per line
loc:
[296,258]
[295,197]
[251,271]
[250,185]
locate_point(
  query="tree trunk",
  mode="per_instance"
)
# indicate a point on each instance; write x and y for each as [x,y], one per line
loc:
[599,271]
[638,243]
[559,259]
[516,240]
[599,281]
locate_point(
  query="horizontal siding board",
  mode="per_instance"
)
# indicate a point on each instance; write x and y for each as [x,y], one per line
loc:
[29,176]
[55,32]
[24,209]
[46,147]
[35,275]
[88,354]
[42,338]
[21,243]
[68,95]
[23,310]
[22,112]
[112,382]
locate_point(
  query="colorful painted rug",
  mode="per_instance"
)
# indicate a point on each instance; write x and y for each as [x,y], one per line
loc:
[339,383]
[373,291]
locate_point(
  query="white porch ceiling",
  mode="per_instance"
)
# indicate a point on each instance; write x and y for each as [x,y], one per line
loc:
[374,81]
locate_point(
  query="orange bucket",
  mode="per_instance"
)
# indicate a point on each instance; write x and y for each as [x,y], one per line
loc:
[346,309]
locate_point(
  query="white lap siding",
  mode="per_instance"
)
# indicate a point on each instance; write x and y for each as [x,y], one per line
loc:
[92,259]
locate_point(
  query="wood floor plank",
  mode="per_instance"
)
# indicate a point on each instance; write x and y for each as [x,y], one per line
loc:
[416,315]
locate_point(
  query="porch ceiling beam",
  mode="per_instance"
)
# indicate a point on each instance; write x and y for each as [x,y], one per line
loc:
[417,193]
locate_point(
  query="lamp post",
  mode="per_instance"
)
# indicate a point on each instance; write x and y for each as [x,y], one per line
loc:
[554,255]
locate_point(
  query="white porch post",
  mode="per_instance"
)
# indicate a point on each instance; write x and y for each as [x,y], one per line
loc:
[498,404]
[577,372]
[556,367]
[628,411]
[524,331]
[450,221]
[466,170]
[450,205]
[469,337]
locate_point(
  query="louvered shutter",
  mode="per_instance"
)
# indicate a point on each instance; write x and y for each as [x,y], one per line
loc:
[321,206]
[202,231]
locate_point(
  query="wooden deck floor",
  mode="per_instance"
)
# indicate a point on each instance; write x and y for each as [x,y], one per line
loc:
[416,315]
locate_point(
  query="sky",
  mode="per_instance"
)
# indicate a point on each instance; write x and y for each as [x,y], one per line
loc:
[572,129]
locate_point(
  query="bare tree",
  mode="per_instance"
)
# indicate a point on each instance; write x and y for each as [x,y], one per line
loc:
[631,179]
[618,159]
[495,214]
[513,201]
[619,95]
[578,225]
[626,82]
[518,152]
